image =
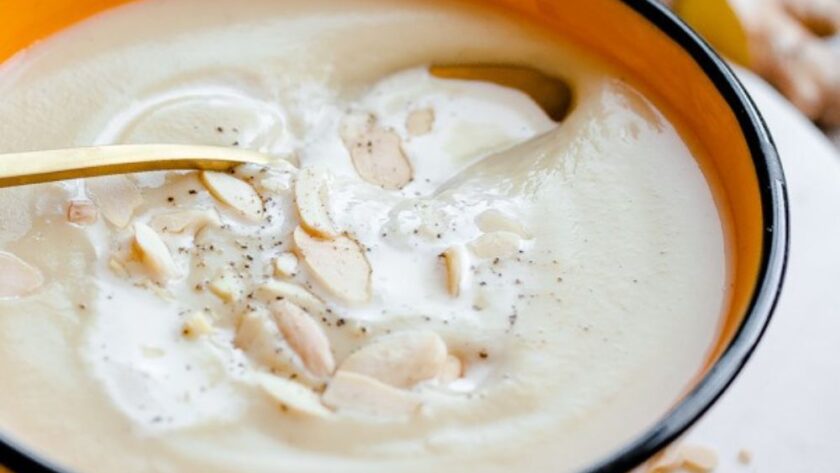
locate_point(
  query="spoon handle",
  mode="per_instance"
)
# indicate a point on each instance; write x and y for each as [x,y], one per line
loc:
[54,165]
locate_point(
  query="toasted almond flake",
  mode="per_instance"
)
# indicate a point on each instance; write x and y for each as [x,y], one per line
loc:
[298,295]
[235,193]
[339,264]
[227,286]
[677,458]
[82,212]
[419,122]
[362,394]
[401,359]
[291,396]
[745,456]
[305,337]
[311,197]
[493,220]
[454,260]
[153,253]
[699,457]
[665,461]
[285,265]
[379,159]
[17,277]
[499,244]
[117,198]
[186,221]
[451,370]
[196,325]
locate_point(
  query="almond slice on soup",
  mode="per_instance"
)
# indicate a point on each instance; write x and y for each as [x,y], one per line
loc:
[377,153]
[235,193]
[305,337]
[311,196]
[362,394]
[153,253]
[339,265]
[401,359]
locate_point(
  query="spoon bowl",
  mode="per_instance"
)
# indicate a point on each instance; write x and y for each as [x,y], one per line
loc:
[554,95]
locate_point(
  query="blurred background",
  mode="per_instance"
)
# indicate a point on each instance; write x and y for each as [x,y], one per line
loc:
[792,44]
[782,415]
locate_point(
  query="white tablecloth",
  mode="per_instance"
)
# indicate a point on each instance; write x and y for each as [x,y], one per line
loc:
[785,405]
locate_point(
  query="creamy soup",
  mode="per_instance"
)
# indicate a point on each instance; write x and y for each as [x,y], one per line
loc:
[431,275]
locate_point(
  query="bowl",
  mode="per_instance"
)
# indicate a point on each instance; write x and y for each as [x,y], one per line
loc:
[670,63]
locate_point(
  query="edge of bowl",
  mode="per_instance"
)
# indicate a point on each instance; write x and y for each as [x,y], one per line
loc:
[774,203]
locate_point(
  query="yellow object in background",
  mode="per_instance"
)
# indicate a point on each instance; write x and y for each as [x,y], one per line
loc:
[719,25]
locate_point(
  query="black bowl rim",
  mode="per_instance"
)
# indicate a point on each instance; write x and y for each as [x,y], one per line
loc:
[773,194]
[774,252]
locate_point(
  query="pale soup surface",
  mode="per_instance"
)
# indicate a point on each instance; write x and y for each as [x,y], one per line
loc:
[431,276]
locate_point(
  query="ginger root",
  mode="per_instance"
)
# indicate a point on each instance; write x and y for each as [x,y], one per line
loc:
[789,46]
[791,43]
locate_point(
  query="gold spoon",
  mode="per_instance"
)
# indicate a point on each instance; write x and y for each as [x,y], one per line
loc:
[18,169]
[552,94]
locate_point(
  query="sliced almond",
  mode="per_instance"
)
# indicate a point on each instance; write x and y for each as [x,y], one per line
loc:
[362,394]
[452,369]
[378,157]
[454,260]
[82,212]
[698,457]
[665,461]
[493,220]
[285,265]
[419,122]
[501,244]
[227,286]
[186,221]
[280,290]
[305,337]
[116,196]
[680,457]
[234,192]
[401,359]
[258,335]
[196,325]
[311,197]
[339,264]
[17,277]
[292,396]
[153,253]
[745,456]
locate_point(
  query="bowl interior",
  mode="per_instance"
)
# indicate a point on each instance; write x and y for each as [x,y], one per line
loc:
[615,31]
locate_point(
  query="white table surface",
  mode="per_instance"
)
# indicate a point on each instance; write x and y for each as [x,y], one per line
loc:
[785,405]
